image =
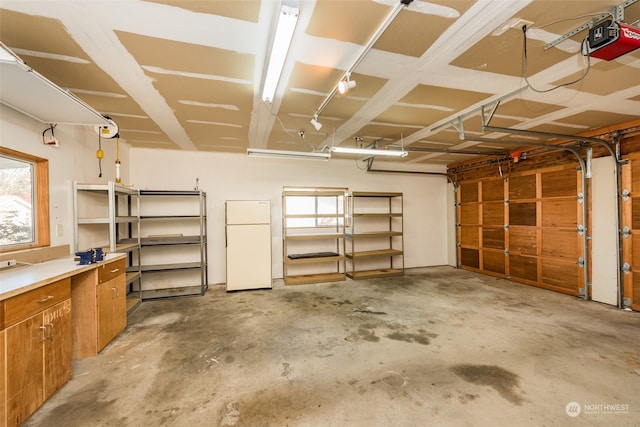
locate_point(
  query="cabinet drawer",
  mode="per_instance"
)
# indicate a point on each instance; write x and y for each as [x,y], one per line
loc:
[25,305]
[109,271]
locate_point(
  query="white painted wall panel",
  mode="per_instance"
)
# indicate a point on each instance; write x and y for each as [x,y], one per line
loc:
[238,177]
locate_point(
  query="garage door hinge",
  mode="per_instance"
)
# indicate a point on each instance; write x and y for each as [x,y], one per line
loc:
[626,232]
[581,262]
[626,268]
[580,197]
[625,194]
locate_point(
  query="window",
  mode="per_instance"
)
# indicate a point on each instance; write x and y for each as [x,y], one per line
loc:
[314,211]
[24,201]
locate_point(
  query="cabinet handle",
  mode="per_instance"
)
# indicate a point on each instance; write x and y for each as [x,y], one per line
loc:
[43,328]
[45,299]
[115,292]
[115,270]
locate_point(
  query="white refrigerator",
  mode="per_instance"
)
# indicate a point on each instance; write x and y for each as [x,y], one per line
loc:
[248,241]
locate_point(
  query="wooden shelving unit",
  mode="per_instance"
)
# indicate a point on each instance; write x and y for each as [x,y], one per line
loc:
[313,235]
[374,236]
[109,213]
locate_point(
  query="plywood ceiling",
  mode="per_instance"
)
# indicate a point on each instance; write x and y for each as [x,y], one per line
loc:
[180,74]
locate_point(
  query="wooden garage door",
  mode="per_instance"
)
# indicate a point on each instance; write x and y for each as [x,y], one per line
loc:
[524,228]
[631,224]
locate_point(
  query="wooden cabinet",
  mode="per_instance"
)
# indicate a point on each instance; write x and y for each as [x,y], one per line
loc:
[38,348]
[112,304]
[100,307]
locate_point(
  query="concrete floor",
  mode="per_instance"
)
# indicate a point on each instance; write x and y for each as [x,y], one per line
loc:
[438,347]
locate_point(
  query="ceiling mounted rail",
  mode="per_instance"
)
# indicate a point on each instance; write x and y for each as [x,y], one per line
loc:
[617,12]
[347,75]
[457,121]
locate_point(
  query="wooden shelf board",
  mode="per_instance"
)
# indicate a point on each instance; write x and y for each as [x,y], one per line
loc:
[378,214]
[132,302]
[378,252]
[375,234]
[374,194]
[313,260]
[313,278]
[367,274]
[314,236]
[319,193]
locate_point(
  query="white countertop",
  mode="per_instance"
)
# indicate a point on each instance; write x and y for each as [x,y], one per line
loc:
[17,280]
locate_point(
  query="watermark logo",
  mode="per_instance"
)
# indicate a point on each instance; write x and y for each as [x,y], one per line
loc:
[573,409]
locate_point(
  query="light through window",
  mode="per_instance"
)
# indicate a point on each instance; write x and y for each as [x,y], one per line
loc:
[24,201]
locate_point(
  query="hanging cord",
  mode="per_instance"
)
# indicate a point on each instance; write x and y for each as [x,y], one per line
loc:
[118,180]
[100,155]
[525,61]
[50,128]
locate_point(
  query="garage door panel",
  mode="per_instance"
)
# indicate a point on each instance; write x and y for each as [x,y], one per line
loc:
[470,214]
[559,183]
[493,213]
[470,257]
[493,261]
[493,238]
[522,213]
[523,240]
[561,274]
[493,190]
[522,187]
[560,244]
[560,213]
[470,236]
[523,267]
[469,192]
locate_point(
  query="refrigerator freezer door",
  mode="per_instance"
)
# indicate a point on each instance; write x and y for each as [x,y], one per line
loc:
[248,257]
[248,212]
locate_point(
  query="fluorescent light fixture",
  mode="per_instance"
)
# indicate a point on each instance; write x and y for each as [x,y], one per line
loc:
[282,154]
[369,151]
[284,33]
[32,94]
[6,54]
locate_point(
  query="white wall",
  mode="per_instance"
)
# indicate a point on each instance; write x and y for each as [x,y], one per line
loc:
[74,159]
[232,176]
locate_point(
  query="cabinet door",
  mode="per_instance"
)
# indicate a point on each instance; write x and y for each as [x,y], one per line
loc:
[3,366]
[25,358]
[112,310]
[57,347]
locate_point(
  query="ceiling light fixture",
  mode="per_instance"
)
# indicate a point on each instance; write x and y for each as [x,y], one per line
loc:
[385,24]
[288,17]
[30,93]
[370,151]
[283,154]
[345,85]
[316,124]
